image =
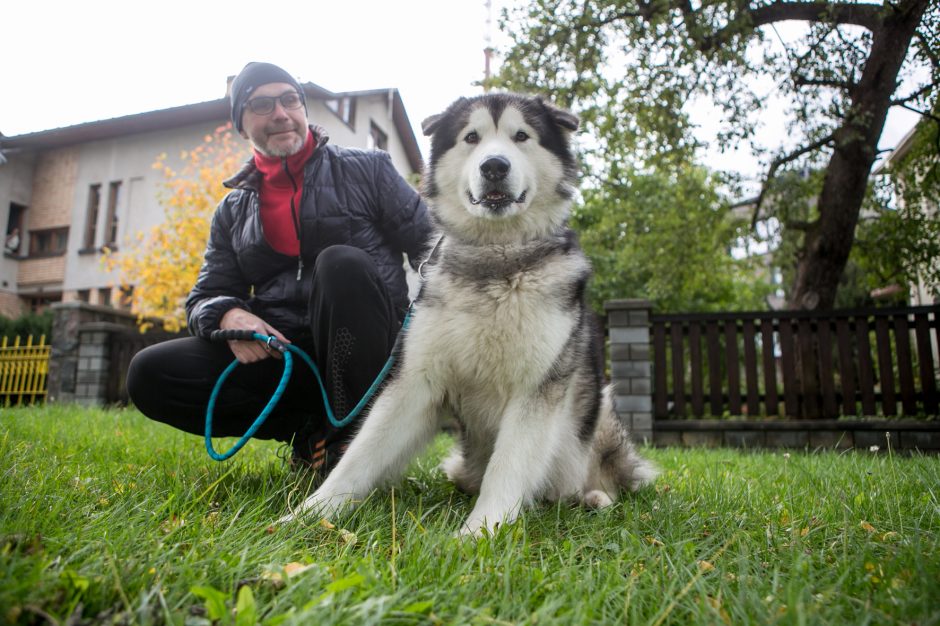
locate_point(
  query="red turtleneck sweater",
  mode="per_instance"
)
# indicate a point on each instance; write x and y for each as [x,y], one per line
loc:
[280,224]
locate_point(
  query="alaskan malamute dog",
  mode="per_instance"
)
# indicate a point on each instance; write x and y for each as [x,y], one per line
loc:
[500,336]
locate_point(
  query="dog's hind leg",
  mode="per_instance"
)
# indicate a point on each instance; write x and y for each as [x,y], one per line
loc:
[401,423]
[615,464]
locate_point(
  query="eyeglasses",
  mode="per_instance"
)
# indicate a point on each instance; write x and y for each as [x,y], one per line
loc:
[264,105]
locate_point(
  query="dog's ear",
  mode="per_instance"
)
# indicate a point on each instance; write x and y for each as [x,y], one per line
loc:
[431,124]
[566,119]
[563,118]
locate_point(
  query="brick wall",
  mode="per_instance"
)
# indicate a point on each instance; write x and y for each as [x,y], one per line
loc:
[53,189]
[41,271]
[628,324]
[10,305]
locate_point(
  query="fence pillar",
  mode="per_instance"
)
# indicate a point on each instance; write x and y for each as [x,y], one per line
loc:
[628,324]
[79,358]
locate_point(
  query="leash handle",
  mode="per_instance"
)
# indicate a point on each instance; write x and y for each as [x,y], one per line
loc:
[220,335]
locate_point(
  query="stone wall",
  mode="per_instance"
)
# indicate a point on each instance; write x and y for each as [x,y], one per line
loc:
[80,364]
[628,328]
[812,434]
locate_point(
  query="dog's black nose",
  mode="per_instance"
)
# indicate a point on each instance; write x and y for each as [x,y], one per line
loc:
[494,168]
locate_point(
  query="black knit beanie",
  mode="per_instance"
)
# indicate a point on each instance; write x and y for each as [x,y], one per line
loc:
[250,78]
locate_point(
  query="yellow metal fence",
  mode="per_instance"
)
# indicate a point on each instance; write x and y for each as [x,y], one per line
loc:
[23,370]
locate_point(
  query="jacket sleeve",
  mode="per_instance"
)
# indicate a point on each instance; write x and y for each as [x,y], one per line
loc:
[402,213]
[220,285]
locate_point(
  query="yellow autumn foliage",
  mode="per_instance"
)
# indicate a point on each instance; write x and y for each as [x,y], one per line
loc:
[162,265]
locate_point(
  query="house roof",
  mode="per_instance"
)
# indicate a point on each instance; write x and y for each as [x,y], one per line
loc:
[897,153]
[194,114]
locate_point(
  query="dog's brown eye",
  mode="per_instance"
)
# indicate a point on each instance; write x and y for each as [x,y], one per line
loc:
[472,137]
[521,136]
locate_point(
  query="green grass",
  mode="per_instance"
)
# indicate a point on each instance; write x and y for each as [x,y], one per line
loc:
[106,517]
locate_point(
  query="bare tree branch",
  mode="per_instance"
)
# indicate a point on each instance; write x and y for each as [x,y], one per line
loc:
[800,225]
[927,49]
[926,114]
[900,102]
[778,163]
[865,15]
[803,81]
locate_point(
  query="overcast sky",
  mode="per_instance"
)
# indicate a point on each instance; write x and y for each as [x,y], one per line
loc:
[67,62]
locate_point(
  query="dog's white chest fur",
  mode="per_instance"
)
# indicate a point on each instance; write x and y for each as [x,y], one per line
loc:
[498,336]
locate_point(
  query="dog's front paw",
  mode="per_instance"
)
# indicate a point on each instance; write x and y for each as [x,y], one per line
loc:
[478,526]
[319,504]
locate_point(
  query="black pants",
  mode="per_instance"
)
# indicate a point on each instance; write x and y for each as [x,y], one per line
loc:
[354,325]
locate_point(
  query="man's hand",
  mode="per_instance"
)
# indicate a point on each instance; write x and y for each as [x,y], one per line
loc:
[250,351]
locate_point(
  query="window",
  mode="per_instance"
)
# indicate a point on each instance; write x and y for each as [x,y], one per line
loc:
[41,302]
[111,225]
[48,242]
[104,296]
[345,109]
[377,140]
[91,216]
[13,242]
[84,295]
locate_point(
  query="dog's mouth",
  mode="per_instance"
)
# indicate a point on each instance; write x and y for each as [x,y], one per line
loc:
[496,200]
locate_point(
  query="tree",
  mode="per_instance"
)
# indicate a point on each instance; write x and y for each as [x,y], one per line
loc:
[633,69]
[635,232]
[163,264]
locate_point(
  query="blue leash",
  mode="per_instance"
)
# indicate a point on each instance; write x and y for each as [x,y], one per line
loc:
[287,350]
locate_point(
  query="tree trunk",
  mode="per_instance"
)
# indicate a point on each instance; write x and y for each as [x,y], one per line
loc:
[829,240]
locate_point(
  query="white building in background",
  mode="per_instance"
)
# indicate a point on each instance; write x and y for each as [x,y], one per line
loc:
[66,193]
[920,294]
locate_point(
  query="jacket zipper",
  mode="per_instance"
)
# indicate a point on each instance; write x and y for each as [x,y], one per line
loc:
[295,218]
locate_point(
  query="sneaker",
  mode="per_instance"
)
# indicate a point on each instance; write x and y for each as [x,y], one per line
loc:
[316,454]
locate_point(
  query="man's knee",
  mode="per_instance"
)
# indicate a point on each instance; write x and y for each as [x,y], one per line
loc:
[345,269]
[140,377]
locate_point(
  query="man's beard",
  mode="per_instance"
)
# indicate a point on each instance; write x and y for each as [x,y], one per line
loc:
[283,150]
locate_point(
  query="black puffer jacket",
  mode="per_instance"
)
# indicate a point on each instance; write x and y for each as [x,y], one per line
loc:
[351,197]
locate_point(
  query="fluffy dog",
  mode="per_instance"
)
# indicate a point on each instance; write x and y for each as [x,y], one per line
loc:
[500,335]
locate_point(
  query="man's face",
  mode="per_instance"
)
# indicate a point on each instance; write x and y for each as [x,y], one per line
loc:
[279,133]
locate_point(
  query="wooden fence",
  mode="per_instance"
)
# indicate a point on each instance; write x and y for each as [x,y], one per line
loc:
[23,371]
[875,362]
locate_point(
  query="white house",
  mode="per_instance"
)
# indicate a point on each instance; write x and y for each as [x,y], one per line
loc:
[920,293]
[68,192]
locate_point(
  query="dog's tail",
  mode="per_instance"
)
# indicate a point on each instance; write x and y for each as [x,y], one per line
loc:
[616,465]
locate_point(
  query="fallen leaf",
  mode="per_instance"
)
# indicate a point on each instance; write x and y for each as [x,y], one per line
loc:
[295,569]
[867,527]
[325,523]
[705,566]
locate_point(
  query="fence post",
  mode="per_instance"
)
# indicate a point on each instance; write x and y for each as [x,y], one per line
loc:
[79,361]
[628,324]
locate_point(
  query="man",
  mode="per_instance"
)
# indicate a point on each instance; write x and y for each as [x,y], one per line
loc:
[307,247]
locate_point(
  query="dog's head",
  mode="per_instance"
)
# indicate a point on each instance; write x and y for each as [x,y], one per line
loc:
[501,167]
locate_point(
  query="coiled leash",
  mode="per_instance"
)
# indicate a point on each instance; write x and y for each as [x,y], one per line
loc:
[287,351]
